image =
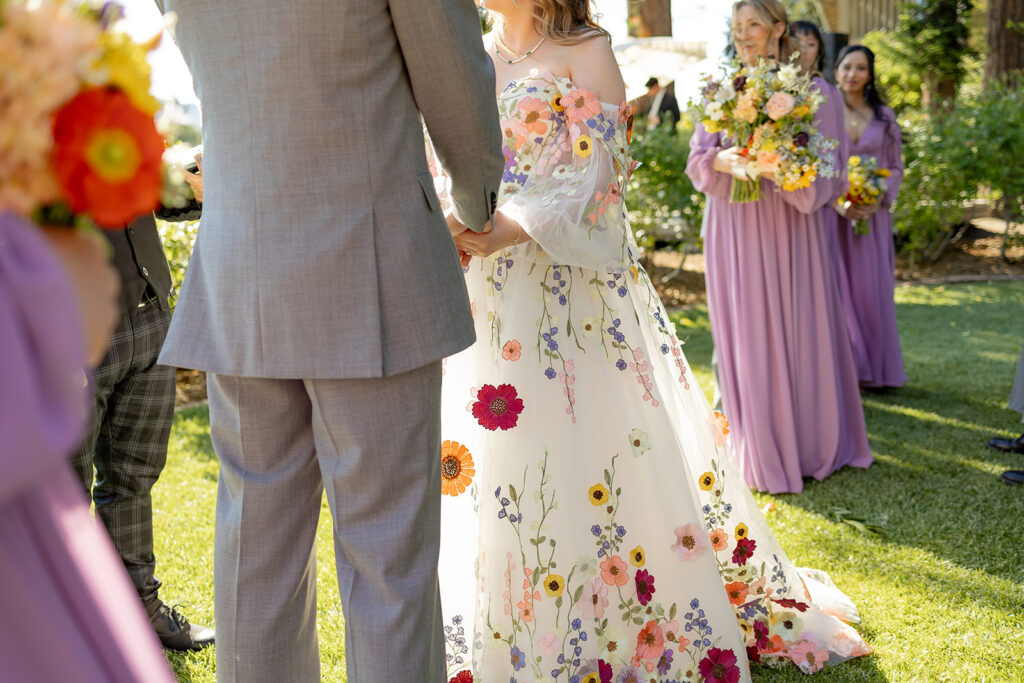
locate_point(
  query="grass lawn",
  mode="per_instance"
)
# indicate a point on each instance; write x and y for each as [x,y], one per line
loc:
[941,591]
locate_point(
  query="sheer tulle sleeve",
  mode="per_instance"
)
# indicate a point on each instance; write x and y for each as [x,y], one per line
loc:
[829,122]
[892,156]
[704,147]
[42,403]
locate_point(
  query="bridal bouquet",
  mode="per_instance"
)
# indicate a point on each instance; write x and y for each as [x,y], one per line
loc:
[867,186]
[78,142]
[768,111]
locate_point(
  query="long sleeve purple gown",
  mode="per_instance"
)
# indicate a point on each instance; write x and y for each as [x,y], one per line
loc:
[67,610]
[867,264]
[789,385]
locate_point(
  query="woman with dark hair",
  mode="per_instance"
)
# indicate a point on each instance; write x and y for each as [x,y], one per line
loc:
[812,47]
[594,529]
[866,260]
[786,369]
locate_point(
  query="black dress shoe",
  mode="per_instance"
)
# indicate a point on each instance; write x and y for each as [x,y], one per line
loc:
[1008,445]
[175,632]
[1013,476]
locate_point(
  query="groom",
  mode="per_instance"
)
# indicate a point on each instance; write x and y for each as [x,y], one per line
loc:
[323,291]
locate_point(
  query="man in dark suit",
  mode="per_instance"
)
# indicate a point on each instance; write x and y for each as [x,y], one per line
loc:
[1013,445]
[663,107]
[127,436]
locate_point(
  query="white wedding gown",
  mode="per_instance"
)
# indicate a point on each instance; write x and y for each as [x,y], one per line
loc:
[595,530]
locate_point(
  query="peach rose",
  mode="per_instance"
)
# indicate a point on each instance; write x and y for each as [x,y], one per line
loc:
[779,104]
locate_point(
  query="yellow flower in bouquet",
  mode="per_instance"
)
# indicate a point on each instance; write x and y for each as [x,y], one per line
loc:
[867,185]
[78,143]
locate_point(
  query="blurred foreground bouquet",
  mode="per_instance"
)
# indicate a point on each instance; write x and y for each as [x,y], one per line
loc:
[867,186]
[78,142]
[768,111]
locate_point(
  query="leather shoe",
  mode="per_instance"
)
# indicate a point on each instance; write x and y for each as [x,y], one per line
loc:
[1008,445]
[1013,476]
[175,632]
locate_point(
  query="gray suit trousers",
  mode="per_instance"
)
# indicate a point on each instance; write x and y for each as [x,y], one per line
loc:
[1017,392]
[374,446]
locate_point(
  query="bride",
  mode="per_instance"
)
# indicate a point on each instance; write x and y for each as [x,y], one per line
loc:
[594,530]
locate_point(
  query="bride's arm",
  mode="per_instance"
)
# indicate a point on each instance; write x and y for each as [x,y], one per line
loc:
[592,66]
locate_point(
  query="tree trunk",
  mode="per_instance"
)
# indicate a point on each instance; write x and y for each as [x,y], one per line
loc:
[1005,32]
[650,18]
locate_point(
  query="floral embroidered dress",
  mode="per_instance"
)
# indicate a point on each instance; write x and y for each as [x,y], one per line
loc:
[593,529]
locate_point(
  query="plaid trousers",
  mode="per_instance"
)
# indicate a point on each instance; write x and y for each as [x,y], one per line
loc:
[127,440]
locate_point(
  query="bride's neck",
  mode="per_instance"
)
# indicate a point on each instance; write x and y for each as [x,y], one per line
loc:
[517,31]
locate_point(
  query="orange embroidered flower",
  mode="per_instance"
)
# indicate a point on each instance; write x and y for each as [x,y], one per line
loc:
[456,468]
[737,592]
[719,539]
[512,350]
[107,156]
[614,571]
[722,422]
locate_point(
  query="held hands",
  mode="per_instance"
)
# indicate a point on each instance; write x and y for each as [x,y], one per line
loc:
[195,180]
[856,212]
[96,285]
[502,232]
[731,162]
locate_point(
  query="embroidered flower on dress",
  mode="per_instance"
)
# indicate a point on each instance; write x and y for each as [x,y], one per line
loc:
[719,666]
[614,571]
[462,677]
[744,551]
[637,558]
[535,115]
[512,350]
[497,407]
[580,105]
[741,530]
[598,494]
[707,480]
[644,586]
[456,468]
[583,146]
[719,539]
[691,541]
[737,592]
[554,585]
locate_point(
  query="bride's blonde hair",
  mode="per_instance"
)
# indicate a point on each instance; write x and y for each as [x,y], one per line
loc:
[567,22]
[770,12]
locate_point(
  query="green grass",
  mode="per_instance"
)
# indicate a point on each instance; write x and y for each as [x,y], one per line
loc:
[940,592]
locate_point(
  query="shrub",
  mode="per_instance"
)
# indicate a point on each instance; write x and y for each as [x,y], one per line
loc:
[178,238]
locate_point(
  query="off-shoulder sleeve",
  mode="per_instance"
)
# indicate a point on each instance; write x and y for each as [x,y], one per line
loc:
[700,166]
[892,156]
[42,399]
[564,185]
[828,122]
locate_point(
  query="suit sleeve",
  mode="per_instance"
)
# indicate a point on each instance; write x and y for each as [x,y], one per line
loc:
[453,83]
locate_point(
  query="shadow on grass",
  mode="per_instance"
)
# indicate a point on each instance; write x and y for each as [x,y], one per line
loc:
[192,428]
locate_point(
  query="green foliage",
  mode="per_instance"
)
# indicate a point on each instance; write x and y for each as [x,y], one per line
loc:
[994,123]
[899,82]
[806,10]
[932,38]
[178,238]
[663,204]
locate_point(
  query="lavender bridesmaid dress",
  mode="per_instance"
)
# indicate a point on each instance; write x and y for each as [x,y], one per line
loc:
[866,266]
[67,610]
[789,385]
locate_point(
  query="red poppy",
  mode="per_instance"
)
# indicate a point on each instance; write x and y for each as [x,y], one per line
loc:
[497,408]
[719,666]
[462,677]
[744,551]
[107,156]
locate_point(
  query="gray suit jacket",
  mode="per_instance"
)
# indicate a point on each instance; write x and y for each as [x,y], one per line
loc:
[322,251]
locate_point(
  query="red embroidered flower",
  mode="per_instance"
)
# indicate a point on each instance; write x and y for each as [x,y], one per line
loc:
[792,604]
[744,551]
[719,667]
[462,677]
[644,586]
[497,408]
[107,157]
[604,670]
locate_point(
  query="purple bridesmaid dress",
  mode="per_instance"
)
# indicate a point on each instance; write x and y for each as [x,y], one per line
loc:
[867,265]
[67,610]
[789,385]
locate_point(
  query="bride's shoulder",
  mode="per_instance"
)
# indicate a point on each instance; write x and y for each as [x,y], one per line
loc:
[592,65]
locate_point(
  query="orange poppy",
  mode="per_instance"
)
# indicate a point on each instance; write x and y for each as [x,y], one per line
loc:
[456,468]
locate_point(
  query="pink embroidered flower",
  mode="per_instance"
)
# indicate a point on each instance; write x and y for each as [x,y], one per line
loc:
[719,666]
[614,571]
[535,114]
[595,599]
[580,105]
[497,407]
[691,541]
[650,642]
[778,105]
[548,644]
[808,656]
[512,350]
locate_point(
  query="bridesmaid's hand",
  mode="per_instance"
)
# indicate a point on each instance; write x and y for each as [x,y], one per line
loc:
[731,162]
[504,232]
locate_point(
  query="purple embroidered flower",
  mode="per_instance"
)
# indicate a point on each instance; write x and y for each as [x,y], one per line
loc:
[596,530]
[550,373]
[518,658]
[665,662]
[620,364]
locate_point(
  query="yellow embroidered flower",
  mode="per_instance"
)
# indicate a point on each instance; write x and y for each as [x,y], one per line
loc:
[635,273]
[741,531]
[637,557]
[556,103]
[591,678]
[457,468]
[707,480]
[583,146]
[598,494]
[554,585]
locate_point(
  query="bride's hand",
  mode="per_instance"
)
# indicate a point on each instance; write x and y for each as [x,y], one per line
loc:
[731,162]
[505,232]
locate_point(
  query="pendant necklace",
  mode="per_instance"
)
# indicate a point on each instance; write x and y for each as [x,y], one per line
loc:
[497,39]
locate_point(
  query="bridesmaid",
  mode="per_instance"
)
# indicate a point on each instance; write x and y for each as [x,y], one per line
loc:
[788,379]
[867,260]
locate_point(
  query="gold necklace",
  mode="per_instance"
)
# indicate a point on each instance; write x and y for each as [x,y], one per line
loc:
[497,39]
[861,118]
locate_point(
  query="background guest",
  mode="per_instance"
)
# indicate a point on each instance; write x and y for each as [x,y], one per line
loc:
[663,108]
[812,50]
[867,269]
